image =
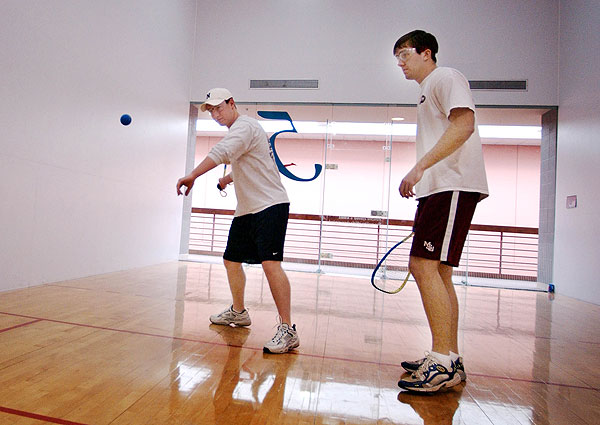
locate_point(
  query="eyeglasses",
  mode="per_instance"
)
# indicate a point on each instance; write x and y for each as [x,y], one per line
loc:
[404,54]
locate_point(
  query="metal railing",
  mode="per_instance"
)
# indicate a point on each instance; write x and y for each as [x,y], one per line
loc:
[503,252]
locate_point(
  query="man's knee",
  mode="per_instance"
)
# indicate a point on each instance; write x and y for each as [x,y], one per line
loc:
[271,266]
[420,268]
[273,271]
[231,265]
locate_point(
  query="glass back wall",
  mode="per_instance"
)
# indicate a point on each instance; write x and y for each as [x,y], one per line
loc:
[350,212]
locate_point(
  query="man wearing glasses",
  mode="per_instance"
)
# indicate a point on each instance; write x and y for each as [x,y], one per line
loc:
[448,181]
[259,225]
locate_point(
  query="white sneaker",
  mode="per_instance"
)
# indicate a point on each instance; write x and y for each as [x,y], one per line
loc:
[285,339]
[231,317]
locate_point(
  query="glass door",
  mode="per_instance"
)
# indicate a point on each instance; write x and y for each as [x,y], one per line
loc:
[356,191]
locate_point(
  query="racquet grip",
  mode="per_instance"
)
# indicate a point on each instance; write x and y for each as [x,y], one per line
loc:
[219,186]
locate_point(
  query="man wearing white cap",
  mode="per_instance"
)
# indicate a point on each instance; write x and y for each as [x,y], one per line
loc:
[258,228]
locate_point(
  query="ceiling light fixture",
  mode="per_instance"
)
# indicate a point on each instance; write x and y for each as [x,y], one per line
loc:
[376,129]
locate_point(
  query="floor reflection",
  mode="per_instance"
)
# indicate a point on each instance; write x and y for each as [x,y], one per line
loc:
[144,353]
[228,407]
[434,409]
[252,388]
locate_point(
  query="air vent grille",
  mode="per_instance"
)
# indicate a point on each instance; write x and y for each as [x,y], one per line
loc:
[506,85]
[284,84]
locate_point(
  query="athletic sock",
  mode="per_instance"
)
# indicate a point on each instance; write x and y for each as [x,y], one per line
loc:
[454,356]
[443,359]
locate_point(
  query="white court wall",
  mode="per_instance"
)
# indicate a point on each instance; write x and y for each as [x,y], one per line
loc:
[576,252]
[82,194]
[347,45]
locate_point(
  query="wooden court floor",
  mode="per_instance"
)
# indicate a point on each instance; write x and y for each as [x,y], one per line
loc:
[136,347]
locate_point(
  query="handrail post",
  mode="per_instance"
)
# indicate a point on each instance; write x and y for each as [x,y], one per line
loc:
[377,246]
[466,281]
[212,237]
[501,252]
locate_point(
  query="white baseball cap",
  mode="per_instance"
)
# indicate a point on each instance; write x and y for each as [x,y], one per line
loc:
[214,97]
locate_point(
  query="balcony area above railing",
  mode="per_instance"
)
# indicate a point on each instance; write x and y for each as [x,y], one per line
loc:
[499,252]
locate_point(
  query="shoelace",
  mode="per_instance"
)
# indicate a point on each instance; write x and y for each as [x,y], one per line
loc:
[420,372]
[281,331]
[279,335]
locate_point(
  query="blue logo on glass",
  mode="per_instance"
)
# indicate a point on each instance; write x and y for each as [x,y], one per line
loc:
[282,115]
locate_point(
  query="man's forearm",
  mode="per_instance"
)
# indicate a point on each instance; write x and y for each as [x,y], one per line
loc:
[207,164]
[458,132]
[227,179]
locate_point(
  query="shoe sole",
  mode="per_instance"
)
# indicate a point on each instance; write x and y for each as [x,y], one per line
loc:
[269,351]
[443,385]
[230,323]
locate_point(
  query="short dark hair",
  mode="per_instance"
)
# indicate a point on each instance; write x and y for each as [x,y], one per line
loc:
[420,40]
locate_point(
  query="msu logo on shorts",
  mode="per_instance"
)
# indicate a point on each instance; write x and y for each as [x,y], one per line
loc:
[428,246]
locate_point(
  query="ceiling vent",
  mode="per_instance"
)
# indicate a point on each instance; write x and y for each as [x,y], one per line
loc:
[503,85]
[284,84]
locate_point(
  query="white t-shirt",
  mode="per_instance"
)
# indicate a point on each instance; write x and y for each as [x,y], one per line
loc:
[255,175]
[441,91]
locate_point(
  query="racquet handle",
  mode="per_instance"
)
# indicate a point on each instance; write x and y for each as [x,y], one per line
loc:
[219,186]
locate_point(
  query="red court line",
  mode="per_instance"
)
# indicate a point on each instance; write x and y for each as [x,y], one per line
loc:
[20,326]
[534,381]
[589,342]
[38,417]
[320,356]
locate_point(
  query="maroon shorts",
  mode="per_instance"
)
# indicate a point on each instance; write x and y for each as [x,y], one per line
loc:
[441,225]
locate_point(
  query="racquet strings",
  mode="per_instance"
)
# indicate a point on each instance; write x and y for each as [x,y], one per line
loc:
[391,274]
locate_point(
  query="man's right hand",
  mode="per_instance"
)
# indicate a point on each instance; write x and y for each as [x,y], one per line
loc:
[186,182]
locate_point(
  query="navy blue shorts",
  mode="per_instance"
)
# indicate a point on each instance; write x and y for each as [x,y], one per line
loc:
[441,226]
[258,237]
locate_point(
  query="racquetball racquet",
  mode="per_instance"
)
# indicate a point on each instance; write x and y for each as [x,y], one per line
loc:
[391,273]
